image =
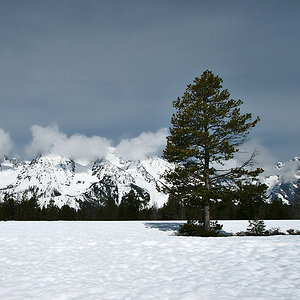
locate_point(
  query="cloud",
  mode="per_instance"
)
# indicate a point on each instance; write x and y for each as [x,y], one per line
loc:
[263,159]
[45,140]
[5,142]
[142,146]
[83,149]
[288,171]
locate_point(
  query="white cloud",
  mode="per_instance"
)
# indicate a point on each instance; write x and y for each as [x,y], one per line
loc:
[83,148]
[263,159]
[142,146]
[288,171]
[5,142]
[46,140]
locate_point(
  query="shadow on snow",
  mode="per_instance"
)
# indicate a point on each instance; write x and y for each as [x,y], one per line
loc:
[164,226]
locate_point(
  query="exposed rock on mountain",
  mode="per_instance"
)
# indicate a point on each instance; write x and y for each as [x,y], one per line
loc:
[67,182]
[56,177]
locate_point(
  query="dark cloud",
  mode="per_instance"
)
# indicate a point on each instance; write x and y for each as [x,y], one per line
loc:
[112,68]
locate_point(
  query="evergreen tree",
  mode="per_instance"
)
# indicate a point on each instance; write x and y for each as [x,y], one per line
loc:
[277,210]
[256,227]
[50,212]
[251,199]
[131,205]
[207,130]
[66,213]
[29,209]
[172,209]
[110,210]
[295,207]
[9,208]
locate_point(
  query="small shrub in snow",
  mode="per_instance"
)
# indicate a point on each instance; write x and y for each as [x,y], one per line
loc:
[256,227]
[275,231]
[293,232]
[214,225]
[241,233]
[195,228]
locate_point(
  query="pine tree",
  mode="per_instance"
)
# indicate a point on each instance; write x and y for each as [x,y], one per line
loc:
[296,205]
[256,227]
[9,208]
[207,129]
[66,213]
[172,209]
[29,208]
[131,205]
[51,211]
[110,210]
[251,198]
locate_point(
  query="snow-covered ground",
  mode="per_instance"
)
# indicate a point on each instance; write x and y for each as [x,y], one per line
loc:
[133,260]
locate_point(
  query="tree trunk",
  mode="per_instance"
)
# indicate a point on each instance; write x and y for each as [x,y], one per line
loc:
[207,204]
[207,216]
[207,187]
[182,211]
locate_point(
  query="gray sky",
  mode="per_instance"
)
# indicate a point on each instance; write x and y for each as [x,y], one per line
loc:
[113,68]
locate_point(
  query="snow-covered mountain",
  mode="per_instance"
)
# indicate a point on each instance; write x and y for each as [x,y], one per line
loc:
[65,181]
[284,181]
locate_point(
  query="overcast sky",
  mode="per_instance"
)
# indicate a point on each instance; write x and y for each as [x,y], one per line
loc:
[111,69]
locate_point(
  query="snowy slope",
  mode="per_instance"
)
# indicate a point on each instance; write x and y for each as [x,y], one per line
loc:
[284,181]
[65,181]
[9,170]
[126,260]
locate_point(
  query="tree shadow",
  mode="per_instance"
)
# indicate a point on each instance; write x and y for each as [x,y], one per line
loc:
[164,226]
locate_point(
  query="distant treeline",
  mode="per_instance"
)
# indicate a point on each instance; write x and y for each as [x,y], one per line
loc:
[132,208]
[245,210]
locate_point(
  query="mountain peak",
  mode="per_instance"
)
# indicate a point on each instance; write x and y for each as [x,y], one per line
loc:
[56,177]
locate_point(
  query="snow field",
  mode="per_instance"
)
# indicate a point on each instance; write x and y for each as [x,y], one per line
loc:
[127,260]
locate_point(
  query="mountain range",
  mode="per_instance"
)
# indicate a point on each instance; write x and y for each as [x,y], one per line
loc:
[283,181]
[68,182]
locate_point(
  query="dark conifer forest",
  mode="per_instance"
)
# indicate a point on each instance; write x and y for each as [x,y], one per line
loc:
[131,208]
